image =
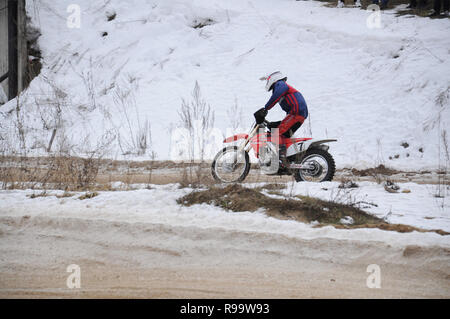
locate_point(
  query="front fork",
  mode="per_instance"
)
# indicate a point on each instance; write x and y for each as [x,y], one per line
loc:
[245,144]
[243,147]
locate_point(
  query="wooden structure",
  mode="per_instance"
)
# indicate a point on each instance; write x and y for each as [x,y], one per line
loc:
[13,47]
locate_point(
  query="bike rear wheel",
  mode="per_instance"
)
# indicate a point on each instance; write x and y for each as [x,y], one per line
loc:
[230,165]
[322,163]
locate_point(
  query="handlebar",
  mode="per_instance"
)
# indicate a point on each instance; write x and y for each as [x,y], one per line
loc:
[265,122]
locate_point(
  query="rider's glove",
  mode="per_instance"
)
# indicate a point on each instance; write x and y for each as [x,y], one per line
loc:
[260,115]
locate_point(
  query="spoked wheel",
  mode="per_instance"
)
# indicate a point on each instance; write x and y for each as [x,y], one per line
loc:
[230,165]
[321,163]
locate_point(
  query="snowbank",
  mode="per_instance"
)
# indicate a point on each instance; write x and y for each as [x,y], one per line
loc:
[157,207]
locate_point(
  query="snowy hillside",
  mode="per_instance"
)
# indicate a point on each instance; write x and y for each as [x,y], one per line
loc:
[125,71]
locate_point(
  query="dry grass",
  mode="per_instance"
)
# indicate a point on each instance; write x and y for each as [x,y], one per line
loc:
[379,170]
[237,198]
[305,209]
[88,195]
[271,187]
[77,173]
[47,194]
[61,172]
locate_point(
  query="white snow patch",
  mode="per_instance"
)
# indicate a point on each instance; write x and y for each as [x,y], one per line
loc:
[347,220]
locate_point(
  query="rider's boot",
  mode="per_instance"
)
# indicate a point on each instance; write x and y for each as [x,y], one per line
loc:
[283,159]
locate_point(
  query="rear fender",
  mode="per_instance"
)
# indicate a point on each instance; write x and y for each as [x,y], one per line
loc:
[305,145]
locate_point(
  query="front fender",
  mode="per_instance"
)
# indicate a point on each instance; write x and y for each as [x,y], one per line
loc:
[235,138]
[304,146]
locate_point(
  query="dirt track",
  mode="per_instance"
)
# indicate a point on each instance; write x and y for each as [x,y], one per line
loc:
[160,261]
[105,172]
[175,175]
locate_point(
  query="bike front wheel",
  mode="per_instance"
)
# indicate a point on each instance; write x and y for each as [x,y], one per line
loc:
[230,165]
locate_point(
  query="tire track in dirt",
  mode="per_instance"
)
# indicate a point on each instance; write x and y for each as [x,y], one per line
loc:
[126,259]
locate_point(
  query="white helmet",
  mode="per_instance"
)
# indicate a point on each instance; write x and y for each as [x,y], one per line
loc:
[273,78]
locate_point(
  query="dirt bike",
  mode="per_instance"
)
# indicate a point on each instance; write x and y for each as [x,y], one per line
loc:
[307,159]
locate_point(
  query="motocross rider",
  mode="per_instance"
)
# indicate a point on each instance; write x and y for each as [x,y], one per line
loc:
[291,101]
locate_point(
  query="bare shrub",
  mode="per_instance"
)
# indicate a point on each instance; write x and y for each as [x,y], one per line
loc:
[442,100]
[15,171]
[138,134]
[350,197]
[67,166]
[50,106]
[197,118]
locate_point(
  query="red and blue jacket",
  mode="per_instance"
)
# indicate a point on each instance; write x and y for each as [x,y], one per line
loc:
[291,100]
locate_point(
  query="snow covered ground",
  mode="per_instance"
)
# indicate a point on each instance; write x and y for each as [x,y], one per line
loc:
[158,206]
[417,206]
[372,88]
[141,243]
